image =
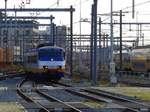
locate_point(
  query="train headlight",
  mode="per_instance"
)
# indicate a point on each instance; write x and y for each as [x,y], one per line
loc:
[60,69]
[45,67]
[52,59]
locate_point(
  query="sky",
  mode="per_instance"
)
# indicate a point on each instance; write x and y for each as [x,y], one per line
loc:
[142,12]
[103,7]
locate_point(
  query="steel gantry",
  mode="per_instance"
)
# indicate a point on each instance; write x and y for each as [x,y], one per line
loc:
[71,10]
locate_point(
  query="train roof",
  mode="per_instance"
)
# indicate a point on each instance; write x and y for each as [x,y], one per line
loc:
[56,47]
[34,51]
[142,47]
[44,44]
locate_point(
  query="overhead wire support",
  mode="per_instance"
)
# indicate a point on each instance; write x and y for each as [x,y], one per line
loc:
[52,29]
[91,44]
[38,9]
[100,37]
[133,8]
[94,70]
[112,64]
[71,41]
[138,4]
[6,32]
[120,39]
[28,17]
[103,23]
[80,54]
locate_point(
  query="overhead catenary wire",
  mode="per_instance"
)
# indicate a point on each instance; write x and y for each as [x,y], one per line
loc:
[138,4]
[56,3]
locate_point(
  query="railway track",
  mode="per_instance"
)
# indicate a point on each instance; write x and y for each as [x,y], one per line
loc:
[140,79]
[27,98]
[11,75]
[131,104]
[52,100]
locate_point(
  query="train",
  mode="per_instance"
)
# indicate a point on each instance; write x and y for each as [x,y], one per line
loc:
[126,64]
[6,61]
[3,54]
[45,62]
[137,60]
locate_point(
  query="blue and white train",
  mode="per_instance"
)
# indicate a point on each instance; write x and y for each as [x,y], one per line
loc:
[47,62]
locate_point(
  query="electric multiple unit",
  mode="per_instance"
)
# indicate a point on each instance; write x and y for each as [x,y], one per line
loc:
[46,62]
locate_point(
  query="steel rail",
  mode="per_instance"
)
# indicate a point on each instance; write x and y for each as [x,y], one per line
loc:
[89,96]
[62,84]
[115,96]
[144,83]
[97,99]
[28,99]
[53,98]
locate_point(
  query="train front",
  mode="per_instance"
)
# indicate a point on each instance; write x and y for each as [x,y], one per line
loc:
[52,61]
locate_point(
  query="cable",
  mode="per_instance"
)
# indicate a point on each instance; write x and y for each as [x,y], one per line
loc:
[56,3]
[136,5]
[105,19]
[73,23]
[78,4]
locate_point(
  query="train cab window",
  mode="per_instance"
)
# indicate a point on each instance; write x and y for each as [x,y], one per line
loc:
[51,53]
[60,53]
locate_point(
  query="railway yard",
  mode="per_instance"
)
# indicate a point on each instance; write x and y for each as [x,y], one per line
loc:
[21,95]
[74,56]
